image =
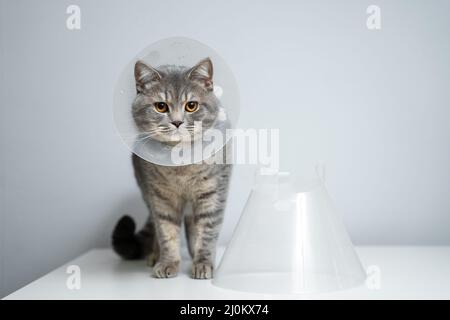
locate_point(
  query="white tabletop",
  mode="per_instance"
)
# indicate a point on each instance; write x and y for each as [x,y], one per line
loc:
[394,273]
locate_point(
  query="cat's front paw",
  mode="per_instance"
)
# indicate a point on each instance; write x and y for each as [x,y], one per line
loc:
[202,270]
[165,269]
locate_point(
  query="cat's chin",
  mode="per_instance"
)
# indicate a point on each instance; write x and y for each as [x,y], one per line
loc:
[175,139]
[171,143]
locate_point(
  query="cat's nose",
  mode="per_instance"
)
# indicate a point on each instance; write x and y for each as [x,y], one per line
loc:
[177,123]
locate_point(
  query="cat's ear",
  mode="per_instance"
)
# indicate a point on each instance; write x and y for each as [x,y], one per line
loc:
[145,76]
[202,73]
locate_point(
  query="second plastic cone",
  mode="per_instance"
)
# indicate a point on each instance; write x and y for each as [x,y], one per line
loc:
[289,240]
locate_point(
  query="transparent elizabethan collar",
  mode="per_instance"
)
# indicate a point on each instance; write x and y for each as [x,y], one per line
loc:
[177,52]
[289,239]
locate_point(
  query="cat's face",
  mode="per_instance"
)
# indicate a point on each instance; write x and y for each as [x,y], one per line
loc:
[174,103]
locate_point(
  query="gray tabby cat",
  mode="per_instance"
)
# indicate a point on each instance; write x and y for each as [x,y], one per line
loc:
[168,102]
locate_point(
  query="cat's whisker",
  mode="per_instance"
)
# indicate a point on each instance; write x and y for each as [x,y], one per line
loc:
[143,139]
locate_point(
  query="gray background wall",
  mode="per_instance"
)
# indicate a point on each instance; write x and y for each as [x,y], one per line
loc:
[373,105]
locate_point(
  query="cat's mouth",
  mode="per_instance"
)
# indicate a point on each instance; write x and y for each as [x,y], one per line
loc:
[173,136]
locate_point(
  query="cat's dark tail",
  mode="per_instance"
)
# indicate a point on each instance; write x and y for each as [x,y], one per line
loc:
[125,241]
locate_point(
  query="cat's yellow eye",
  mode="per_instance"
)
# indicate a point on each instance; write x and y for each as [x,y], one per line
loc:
[191,106]
[161,107]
